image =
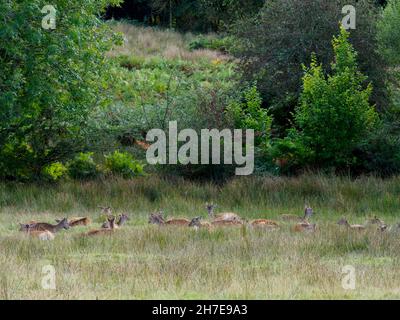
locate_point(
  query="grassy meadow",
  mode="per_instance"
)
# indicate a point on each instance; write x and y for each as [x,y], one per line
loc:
[142,261]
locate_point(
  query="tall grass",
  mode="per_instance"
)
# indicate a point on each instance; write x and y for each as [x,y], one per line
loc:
[151,42]
[145,261]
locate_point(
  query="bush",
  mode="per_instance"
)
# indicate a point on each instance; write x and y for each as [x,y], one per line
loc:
[54,171]
[50,80]
[222,44]
[273,44]
[334,114]
[249,114]
[83,166]
[389,32]
[380,152]
[123,164]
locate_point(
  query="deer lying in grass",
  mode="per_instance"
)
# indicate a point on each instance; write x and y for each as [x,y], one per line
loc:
[105,210]
[382,226]
[43,226]
[157,218]
[308,212]
[227,216]
[77,221]
[122,218]
[305,227]
[41,235]
[197,224]
[103,231]
[264,223]
[344,222]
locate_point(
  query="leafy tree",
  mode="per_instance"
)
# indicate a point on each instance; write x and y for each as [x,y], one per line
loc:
[389,32]
[334,113]
[273,45]
[50,80]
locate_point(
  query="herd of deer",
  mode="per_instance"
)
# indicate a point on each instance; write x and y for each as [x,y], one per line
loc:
[47,231]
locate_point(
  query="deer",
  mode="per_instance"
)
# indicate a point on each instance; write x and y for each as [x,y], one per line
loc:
[221,216]
[382,226]
[41,235]
[197,224]
[308,212]
[122,218]
[157,218]
[103,231]
[43,226]
[305,227]
[344,222]
[105,210]
[264,223]
[77,221]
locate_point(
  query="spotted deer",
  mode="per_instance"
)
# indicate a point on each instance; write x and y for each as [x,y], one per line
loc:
[43,226]
[122,219]
[157,218]
[227,216]
[103,231]
[382,226]
[344,222]
[77,221]
[264,223]
[305,227]
[197,224]
[308,213]
[41,235]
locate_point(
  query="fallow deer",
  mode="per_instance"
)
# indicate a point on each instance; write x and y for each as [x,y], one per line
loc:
[103,231]
[122,218]
[41,235]
[344,222]
[305,227]
[77,221]
[43,226]
[308,212]
[157,218]
[221,216]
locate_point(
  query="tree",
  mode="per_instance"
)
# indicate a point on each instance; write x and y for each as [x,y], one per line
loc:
[50,80]
[389,32]
[273,44]
[334,113]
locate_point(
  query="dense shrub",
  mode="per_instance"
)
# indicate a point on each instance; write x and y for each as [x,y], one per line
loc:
[50,80]
[273,45]
[389,32]
[334,114]
[213,43]
[249,114]
[123,164]
[54,171]
[83,166]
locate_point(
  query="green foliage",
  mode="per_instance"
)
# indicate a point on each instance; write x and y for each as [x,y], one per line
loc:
[334,114]
[213,43]
[123,164]
[389,32]
[83,166]
[54,171]
[50,80]
[202,15]
[249,114]
[273,44]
